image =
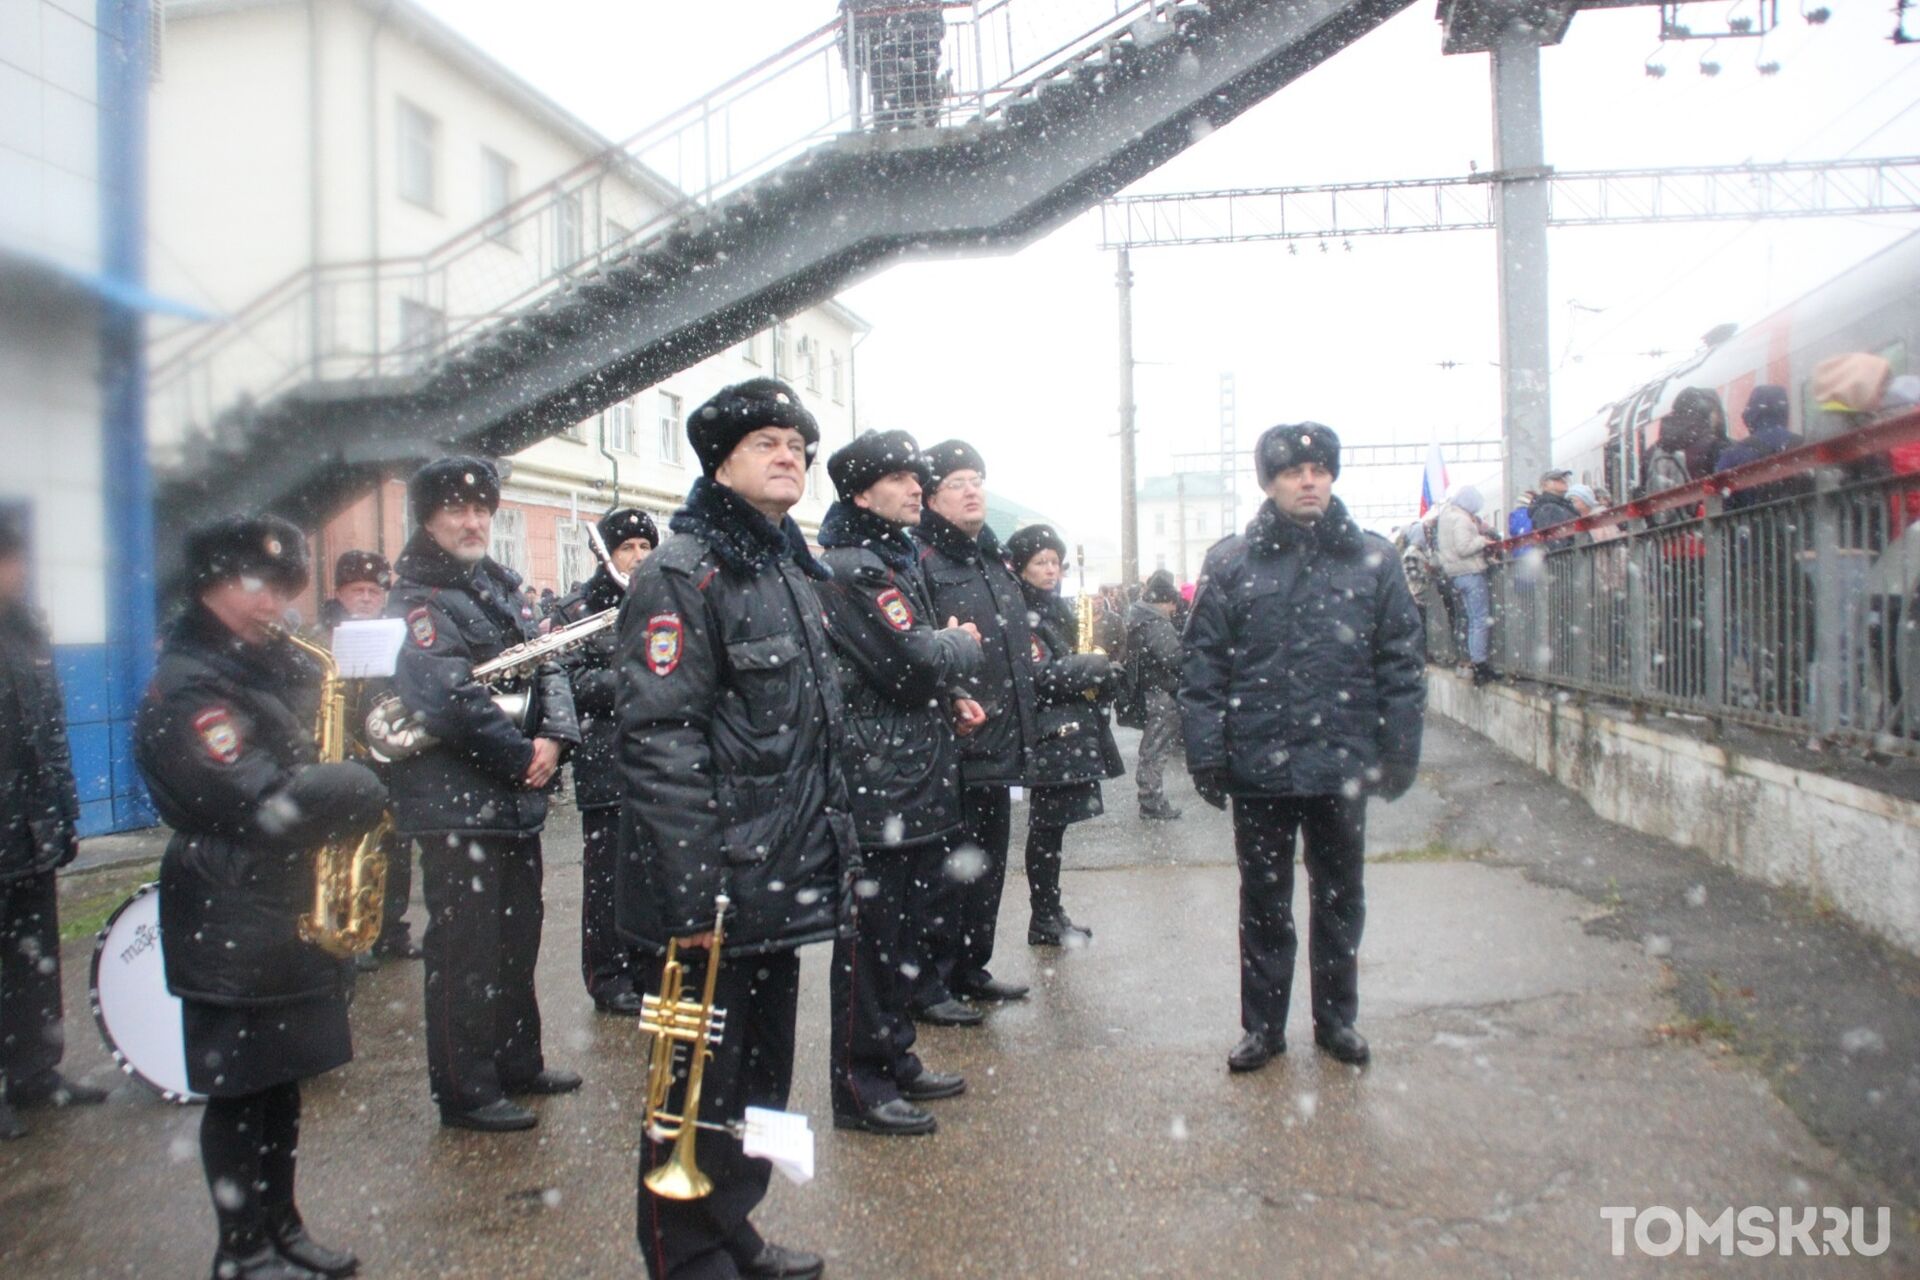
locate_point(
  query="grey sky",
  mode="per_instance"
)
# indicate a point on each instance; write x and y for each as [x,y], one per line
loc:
[1018,353]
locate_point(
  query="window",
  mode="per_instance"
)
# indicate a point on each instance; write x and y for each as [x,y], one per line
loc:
[671,414]
[809,351]
[779,350]
[572,552]
[510,539]
[750,349]
[567,227]
[498,185]
[575,431]
[417,148]
[839,383]
[619,422]
[1159,524]
[422,330]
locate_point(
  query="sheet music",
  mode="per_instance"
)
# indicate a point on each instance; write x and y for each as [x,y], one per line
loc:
[368,650]
[782,1137]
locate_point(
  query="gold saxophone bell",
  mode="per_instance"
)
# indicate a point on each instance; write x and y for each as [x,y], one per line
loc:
[349,880]
[674,1020]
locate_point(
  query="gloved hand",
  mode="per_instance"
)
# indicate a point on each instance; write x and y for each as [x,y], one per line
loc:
[1086,670]
[1396,777]
[1212,786]
[334,801]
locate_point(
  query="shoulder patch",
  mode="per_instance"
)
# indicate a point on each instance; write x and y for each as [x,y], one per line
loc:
[420,627]
[663,643]
[894,606]
[219,738]
[1038,657]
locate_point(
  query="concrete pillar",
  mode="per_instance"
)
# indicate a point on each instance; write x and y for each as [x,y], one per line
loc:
[1520,226]
[1129,499]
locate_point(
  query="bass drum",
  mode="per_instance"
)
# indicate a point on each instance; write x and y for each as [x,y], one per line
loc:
[138,1017]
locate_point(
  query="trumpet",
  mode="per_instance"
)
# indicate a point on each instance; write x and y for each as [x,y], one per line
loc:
[674,1021]
[395,733]
[349,880]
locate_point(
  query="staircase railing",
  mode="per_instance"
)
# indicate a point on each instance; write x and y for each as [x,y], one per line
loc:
[391,321]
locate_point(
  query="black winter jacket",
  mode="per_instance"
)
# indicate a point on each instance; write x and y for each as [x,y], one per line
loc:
[969,580]
[39,808]
[898,673]
[1305,664]
[1153,649]
[731,737]
[596,768]
[224,739]
[1074,738]
[458,616]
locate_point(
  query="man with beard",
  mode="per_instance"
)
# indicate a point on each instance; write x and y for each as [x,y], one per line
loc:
[899,674]
[607,964]
[1302,693]
[731,743]
[968,579]
[476,801]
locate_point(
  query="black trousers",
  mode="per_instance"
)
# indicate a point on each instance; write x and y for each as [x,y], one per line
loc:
[31,1038]
[751,1066]
[248,1148]
[1044,842]
[393,915]
[964,898]
[608,965]
[483,936]
[1333,834]
[872,1036]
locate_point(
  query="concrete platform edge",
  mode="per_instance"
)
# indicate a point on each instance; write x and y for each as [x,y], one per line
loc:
[1846,845]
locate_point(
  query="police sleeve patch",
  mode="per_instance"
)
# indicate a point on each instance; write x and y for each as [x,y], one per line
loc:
[219,738]
[420,626]
[663,643]
[1038,657]
[896,610]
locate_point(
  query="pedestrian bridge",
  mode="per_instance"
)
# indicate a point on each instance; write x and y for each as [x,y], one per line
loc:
[765,196]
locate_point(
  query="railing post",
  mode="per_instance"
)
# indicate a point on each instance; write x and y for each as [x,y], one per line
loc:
[1641,548]
[1829,662]
[1718,636]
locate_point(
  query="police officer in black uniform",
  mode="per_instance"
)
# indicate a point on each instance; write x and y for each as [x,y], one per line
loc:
[361,580]
[1074,748]
[476,802]
[224,739]
[39,810]
[731,747]
[902,678]
[606,963]
[968,578]
[1302,693]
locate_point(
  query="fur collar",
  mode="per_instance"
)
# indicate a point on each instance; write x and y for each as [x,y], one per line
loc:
[849,526]
[1335,533]
[743,540]
[276,666]
[946,537]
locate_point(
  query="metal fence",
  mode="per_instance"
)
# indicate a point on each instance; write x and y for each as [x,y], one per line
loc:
[1783,594]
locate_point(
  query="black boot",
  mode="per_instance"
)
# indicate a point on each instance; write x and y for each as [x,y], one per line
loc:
[1057,931]
[291,1241]
[258,1264]
[1483,673]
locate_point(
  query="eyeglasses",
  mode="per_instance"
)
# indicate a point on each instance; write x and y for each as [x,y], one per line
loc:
[963,484]
[768,444]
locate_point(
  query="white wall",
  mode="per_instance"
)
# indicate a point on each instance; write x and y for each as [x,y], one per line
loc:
[49,132]
[50,412]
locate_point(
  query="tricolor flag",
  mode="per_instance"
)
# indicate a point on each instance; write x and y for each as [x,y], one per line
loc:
[1433,485]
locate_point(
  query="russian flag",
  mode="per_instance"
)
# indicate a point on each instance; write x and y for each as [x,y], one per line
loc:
[1433,485]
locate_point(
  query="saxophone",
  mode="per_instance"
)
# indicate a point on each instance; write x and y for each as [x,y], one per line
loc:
[349,880]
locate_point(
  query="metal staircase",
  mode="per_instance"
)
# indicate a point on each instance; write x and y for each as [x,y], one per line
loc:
[764,197]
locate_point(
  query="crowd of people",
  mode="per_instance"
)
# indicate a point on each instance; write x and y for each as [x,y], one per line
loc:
[799,747]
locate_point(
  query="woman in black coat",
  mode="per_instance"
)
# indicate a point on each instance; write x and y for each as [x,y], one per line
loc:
[224,740]
[1075,747]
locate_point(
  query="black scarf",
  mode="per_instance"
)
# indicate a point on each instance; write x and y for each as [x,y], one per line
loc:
[428,563]
[1334,533]
[849,526]
[745,541]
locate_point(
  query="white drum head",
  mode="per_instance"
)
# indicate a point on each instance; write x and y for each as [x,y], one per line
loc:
[138,1017]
